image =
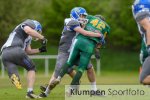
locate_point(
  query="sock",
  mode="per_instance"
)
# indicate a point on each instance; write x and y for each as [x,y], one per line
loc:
[59,77]
[76,78]
[93,86]
[64,70]
[29,89]
[47,91]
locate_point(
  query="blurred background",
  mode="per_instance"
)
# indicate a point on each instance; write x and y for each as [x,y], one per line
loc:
[121,53]
[119,60]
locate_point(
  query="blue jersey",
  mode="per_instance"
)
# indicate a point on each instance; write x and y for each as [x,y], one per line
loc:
[141,5]
[68,34]
[141,2]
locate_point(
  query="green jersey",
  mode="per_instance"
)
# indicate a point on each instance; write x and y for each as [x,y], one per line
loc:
[95,24]
[143,52]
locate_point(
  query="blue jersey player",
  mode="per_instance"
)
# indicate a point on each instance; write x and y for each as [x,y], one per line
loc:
[141,13]
[16,49]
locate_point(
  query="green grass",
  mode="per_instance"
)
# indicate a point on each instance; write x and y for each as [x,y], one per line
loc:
[9,92]
[117,67]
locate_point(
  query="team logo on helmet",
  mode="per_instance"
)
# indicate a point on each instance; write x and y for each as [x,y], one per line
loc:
[38,26]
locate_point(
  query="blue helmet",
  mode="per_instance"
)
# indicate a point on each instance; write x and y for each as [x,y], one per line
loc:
[76,12]
[38,26]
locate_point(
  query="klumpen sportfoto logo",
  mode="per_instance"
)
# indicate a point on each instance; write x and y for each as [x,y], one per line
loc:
[108,91]
[78,92]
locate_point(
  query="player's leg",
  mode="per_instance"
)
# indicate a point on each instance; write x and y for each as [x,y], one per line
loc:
[85,56]
[61,60]
[91,76]
[13,74]
[75,52]
[83,63]
[27,63]
[145,74]
[48,87]
[9,64]
[68,64]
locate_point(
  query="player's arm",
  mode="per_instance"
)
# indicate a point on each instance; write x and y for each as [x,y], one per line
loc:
[86,33]
[31,51]
[75,26]
[33,33]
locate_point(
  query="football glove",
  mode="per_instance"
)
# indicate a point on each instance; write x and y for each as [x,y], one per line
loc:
[43,49]
[102,39]
[44,42]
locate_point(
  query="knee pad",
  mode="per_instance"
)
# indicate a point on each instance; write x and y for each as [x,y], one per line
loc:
[31,69]
[89,66]
[70,70]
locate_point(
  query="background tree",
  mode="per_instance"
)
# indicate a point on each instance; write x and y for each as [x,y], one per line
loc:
[51,14]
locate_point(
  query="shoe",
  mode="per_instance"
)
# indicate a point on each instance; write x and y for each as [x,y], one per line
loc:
[15,80]
[31,95]
[54,83]
[43,88]
[42,95]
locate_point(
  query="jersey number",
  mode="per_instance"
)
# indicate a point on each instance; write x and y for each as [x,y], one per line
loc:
[97,24]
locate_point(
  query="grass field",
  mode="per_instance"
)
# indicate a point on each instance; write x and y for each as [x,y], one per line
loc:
[121,69]
[9,92]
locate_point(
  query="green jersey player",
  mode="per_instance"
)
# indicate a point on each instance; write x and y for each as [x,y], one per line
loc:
[83,48]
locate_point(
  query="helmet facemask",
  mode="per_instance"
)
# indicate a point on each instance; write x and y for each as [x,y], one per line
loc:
[82,19]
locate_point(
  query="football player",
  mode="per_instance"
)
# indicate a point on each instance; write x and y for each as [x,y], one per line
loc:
[16,49]
[83,47]
[72,26]
[141,13]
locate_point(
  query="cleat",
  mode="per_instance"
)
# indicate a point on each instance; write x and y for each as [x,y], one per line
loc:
[15,80]
[42,95]
[54,83]
[31,95]
[43,88]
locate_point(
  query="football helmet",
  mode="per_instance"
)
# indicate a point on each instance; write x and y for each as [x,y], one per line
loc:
[38,26]
[76,14]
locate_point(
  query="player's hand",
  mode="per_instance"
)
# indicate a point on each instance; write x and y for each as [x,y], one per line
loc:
[102,39]
[43,49]
[44,42]
[148,49]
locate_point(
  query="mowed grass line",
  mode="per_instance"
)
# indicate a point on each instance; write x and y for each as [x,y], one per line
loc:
[9,92]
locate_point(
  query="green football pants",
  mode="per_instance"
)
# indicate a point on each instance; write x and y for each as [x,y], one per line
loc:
[82,49]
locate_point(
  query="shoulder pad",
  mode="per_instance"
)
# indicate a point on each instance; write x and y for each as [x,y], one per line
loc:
[72,23]
[29,23]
